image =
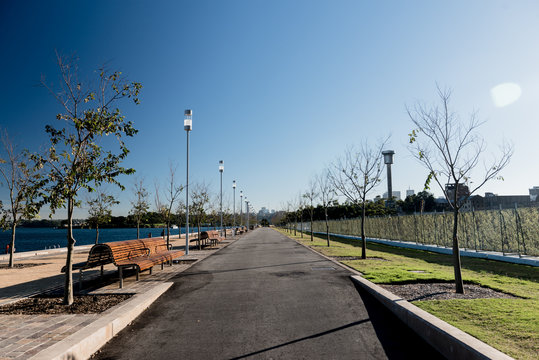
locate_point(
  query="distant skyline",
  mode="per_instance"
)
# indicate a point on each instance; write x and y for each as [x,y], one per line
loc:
[279,89]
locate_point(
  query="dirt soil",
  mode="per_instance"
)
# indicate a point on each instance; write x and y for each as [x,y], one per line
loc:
[52,304]
[20,266]
[442,291]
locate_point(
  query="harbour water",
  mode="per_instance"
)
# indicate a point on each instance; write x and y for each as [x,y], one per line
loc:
[32,239]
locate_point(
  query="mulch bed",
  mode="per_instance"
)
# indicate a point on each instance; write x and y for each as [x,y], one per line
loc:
[20,266]
[52,304]
[442,291]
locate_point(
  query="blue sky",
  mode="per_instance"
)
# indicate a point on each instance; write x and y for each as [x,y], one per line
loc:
[279,89]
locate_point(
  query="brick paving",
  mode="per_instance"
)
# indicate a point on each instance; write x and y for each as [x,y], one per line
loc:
[23,336]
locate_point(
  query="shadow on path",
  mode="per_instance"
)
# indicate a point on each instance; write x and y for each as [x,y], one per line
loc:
[397,334]
[302,339]
[206,272]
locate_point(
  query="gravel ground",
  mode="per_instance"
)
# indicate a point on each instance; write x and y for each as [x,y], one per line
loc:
[442,291]
[86,304]
[20,266]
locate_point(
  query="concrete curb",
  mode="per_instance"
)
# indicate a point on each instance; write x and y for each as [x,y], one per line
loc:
[447,339]
[85,342]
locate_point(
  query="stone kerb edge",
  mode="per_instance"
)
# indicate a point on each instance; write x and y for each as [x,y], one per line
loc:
[85,342]
[447,339]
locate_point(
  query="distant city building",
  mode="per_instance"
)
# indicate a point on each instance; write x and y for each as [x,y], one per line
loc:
[396,195]
[534,193]
[410,193]
[263,213]
[463,191]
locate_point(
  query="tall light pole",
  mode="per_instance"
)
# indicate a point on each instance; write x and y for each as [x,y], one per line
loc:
[187,126]
[221,169]
[388,160]
[234,203]
[241,207]
[247,209]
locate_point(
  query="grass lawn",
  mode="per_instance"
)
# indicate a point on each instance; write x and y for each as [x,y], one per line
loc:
[509,325]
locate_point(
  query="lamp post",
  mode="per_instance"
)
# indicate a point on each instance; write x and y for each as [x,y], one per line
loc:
[187,126]
[388,160]
[221,169]
[241,207]
[234,204]
[247,209]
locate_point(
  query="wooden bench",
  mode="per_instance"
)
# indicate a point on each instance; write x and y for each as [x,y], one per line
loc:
[140,254]
[211,235]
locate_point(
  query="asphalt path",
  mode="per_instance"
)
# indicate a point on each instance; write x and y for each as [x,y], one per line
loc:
[266,297]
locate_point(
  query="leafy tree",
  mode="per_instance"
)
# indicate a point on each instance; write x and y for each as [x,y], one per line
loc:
[355,175]
[451,150]
[414,203]
[77,158]
[140,205]
[100,210]
[22,181]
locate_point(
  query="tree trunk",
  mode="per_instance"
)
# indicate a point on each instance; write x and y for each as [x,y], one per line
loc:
[363,239]
[12,245]
[198,236]
[68,287]
[327,225]
[312,227]
[301,222]
[97,233]
[295,225]
[459,286]
[168,235]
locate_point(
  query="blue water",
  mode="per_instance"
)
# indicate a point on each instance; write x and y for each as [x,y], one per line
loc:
[31,239]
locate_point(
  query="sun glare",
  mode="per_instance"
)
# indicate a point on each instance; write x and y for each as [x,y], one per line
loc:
[505,94]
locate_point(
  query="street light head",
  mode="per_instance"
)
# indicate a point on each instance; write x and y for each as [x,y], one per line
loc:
[188,121]
[388,156]
[221,165]
[234,184]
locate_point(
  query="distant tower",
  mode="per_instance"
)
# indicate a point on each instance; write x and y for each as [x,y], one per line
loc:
[388,160]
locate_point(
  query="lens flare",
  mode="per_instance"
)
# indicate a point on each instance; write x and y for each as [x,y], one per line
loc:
[505,94]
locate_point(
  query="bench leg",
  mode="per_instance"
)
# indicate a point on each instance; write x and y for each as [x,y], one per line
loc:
[136,272]
[162,266]
[151,270]
[121,276]
[102,270]
[80,279]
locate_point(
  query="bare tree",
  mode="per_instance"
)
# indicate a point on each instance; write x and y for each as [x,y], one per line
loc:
[200,199]
[310,196]
[172,194]
[100,210]
[301,207]
[326,193]
[140,205]
[22,182]
[355,174]
[451,150]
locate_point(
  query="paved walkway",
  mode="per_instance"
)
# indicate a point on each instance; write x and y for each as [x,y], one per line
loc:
[266,297]
[23,336]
